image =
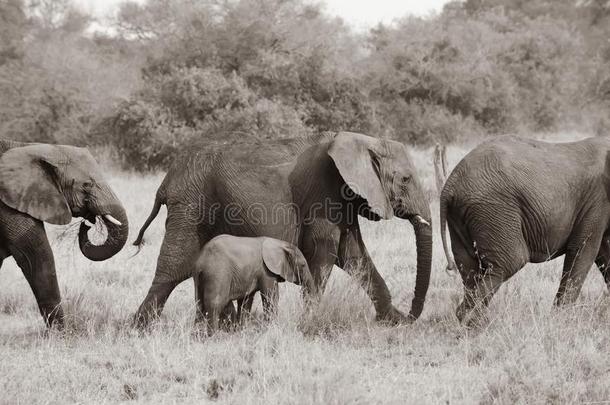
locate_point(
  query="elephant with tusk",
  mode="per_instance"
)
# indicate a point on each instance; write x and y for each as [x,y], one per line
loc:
[306,191]
[53,183]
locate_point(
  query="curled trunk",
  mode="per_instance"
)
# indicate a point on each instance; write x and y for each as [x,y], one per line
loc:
[115,239]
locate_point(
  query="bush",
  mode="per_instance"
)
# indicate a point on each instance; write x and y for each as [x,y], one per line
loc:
[191,106]
[143,133]
[185,72]
[499,72]
[196,94]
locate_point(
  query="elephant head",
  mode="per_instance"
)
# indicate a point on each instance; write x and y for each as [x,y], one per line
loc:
[286,261]
[381,174]
[54,183]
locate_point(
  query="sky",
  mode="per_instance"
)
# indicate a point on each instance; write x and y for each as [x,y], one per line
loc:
[360,14]
[365,14]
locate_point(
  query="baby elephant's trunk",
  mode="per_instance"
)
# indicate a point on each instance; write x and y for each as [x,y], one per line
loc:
[310,288]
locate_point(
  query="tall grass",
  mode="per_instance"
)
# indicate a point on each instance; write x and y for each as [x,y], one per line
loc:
[529,352]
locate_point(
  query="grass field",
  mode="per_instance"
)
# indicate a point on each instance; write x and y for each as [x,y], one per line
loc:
[528,352]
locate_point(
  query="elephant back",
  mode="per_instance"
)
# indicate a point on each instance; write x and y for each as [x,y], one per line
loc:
[6,144]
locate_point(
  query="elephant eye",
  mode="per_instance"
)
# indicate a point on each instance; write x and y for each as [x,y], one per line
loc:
[406,179]
[88,185]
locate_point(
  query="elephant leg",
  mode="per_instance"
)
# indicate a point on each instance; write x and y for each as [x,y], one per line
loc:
[484,267]
[34,256]
[320,242]
[606,274]
[577,263]
[270,297]
[603,261]
[199,314]
[244,305]
[468,266]
[212,319]
[174,265]
[604,268]
[472,310]
[228,316]
[354,258]
[324,267]
[212,304]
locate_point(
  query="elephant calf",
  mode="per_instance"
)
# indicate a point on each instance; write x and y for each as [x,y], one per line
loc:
[235,268]
[511,201]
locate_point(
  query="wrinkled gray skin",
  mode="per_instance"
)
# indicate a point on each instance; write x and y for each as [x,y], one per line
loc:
[306,191]
[235,268]
[511,201]
[52,183]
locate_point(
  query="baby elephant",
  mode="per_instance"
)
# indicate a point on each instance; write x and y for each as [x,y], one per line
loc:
[235,268]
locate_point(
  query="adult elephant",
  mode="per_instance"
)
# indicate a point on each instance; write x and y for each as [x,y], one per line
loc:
[511,201]
[306,191]
[53,183]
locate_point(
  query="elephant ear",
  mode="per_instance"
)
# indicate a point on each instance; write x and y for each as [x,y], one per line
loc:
[358,163]
[279,259]
[29,182]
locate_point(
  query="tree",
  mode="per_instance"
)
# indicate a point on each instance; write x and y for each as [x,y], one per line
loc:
[12,30]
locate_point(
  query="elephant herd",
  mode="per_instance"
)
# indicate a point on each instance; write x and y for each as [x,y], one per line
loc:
[243,217]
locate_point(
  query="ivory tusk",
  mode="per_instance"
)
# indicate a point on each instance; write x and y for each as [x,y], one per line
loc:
[421,220]
[112,219]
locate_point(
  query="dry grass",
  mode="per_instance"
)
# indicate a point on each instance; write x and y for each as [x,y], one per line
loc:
[528,353]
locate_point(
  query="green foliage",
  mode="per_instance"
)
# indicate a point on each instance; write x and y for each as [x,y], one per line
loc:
[184,72]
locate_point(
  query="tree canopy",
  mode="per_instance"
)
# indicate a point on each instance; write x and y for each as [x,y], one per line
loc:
[171,73]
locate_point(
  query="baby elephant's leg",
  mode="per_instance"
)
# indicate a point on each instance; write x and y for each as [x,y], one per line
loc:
[213,309]
[228,316]
[213,299]
[244,305]
[269,297]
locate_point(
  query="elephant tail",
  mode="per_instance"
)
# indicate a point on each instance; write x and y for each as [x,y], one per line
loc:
[440,166]
[440,171]
[159,201]
[451,266]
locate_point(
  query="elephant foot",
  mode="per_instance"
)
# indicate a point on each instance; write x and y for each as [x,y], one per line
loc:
[472,317]
[393,317]
[228,317]
[58,324]
[53,316]
[142,319]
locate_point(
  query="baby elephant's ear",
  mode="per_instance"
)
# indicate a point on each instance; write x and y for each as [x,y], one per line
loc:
[279,259]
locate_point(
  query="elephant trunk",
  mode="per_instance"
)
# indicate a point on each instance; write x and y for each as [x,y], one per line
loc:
[310,285]
[114,219]
[423,241]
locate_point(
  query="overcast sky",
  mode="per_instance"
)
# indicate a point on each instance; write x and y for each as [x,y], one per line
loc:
[359,13]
